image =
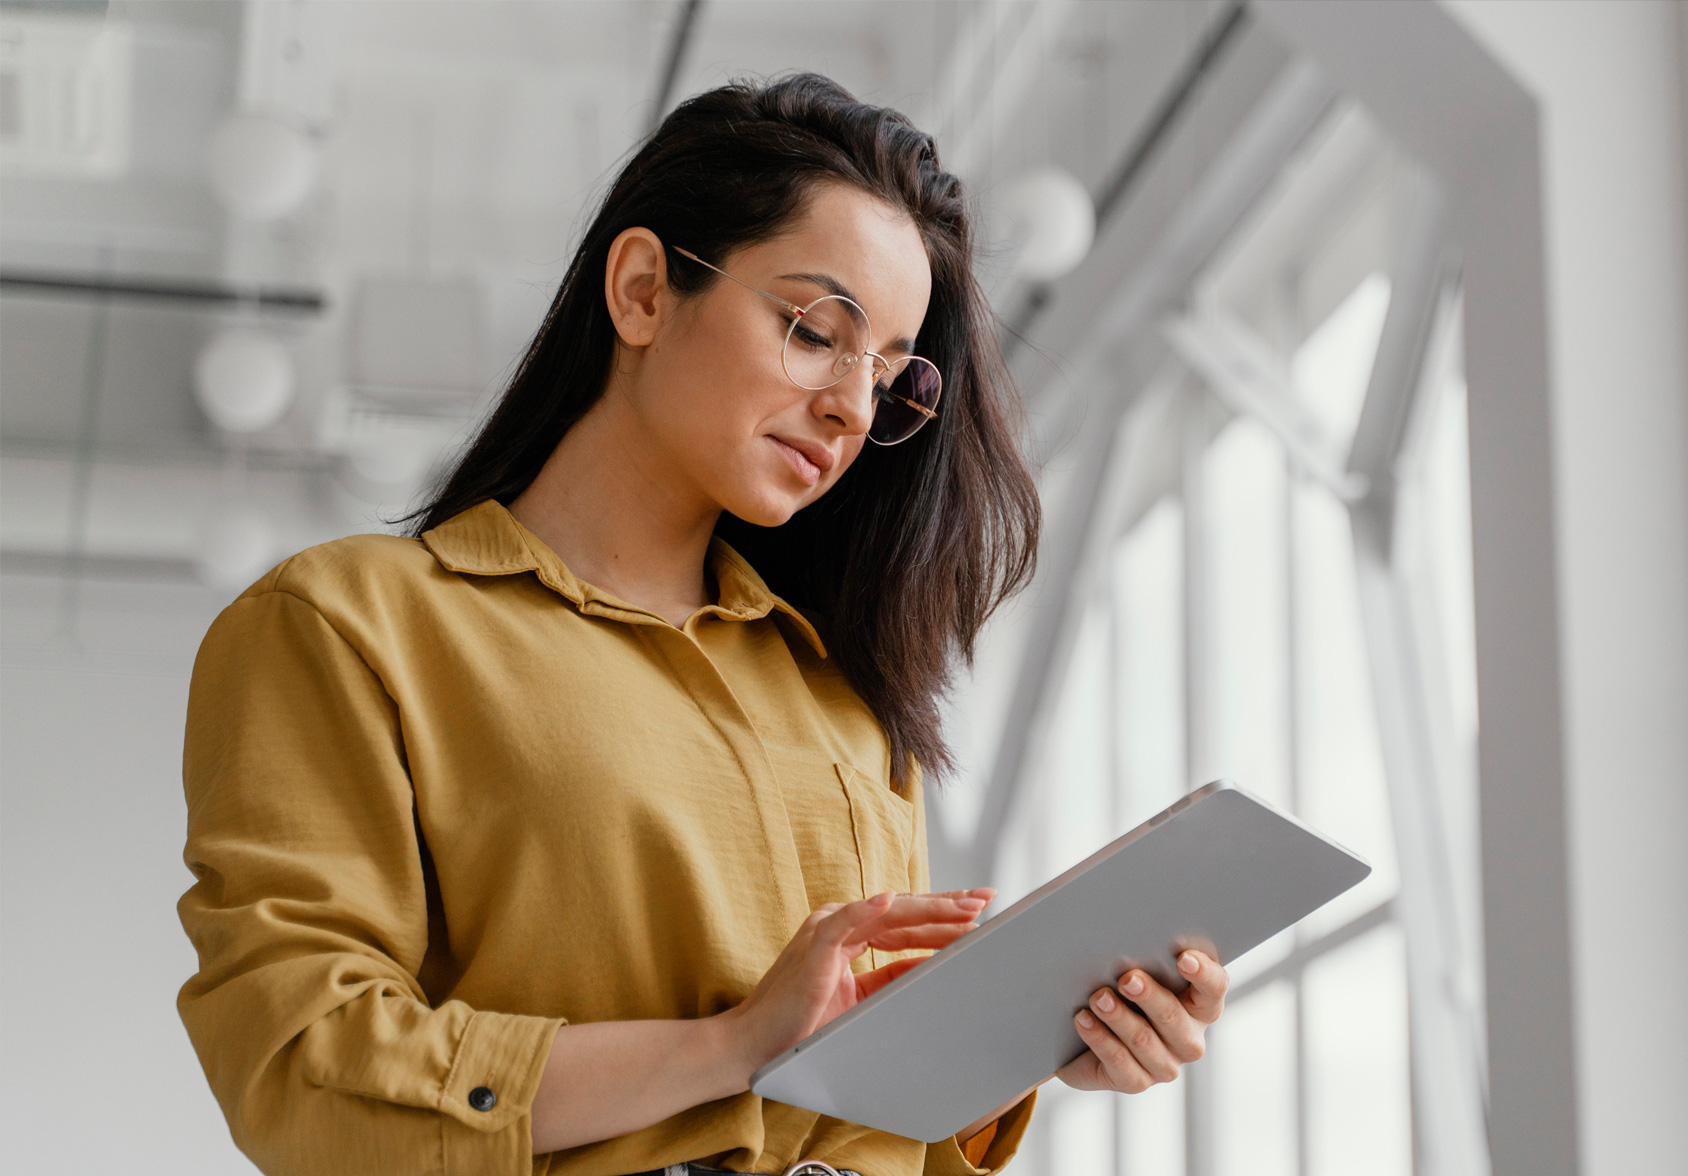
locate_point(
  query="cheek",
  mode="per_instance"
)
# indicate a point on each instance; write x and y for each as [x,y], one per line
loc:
[715,383]
[852,450]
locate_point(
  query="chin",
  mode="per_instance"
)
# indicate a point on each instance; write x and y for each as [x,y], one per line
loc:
[764,506]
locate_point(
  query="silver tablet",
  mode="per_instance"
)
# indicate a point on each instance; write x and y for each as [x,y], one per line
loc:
[991,1014]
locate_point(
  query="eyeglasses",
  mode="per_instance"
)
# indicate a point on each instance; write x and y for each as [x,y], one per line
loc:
[827,340]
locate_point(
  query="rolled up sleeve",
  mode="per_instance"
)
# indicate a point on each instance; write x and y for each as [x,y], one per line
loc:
[310,916]
[950,1158]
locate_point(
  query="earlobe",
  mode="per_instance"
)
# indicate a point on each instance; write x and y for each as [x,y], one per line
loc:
[636,286]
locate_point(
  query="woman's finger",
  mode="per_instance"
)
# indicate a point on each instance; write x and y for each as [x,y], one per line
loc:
[1205,998]
[1136,1033]
[860,921]
[1085,1072]
[868,983]
[1120,1068]
[918,908]
[935,907]
[1183,1034]
[985,892]
[930,936]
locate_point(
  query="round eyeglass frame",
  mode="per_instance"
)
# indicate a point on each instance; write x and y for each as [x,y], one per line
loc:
[924,412]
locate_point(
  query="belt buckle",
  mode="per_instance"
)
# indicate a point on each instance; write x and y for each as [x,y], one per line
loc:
[813,1168]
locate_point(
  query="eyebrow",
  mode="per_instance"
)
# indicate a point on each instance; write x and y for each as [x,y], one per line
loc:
[832,285]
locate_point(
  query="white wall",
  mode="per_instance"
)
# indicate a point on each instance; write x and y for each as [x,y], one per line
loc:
[1608,75]
[98,1073]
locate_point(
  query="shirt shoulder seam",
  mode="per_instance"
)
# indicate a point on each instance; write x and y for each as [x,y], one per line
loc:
[324,617]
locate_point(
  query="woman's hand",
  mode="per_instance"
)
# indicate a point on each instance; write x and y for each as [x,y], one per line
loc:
[606,1078]
[1131,1051]
[811,981]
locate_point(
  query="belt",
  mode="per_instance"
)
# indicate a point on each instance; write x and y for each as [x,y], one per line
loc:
[800,1168]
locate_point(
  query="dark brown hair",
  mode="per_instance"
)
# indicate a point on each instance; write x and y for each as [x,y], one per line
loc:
[905,558]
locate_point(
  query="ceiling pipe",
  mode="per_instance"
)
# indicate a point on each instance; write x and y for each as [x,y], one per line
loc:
[677,47]
[215,293]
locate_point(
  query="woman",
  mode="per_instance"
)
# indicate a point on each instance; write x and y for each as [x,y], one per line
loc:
[521,843]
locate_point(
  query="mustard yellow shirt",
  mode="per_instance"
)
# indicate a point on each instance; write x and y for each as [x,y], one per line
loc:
[444,796]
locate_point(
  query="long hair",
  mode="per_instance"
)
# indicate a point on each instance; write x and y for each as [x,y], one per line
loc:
[918,543]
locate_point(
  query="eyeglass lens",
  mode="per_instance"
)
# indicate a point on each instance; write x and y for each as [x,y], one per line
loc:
[825,342]
[828,341]
[910,381]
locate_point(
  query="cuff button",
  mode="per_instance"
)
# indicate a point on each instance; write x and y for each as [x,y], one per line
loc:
[482,1099]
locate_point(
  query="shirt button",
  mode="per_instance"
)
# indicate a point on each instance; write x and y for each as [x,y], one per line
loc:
[482,1099]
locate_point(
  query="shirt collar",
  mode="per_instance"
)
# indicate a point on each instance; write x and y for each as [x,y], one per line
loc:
[487,540]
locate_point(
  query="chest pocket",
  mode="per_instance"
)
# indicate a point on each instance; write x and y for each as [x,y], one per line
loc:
[884,828]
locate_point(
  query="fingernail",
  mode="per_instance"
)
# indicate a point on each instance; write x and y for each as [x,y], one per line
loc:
[1085,1019]
[1189,963]
[1134,986]
[1105,1002]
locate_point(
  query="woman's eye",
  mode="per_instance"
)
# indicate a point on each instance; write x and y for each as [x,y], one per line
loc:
[811,338]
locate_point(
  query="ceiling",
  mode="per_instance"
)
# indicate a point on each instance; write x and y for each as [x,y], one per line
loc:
[460,145]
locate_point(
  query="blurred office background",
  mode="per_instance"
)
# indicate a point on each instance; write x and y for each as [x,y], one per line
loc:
[1353,342]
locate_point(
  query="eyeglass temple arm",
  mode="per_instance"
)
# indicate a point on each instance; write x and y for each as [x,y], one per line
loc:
[929,413]
[774,298]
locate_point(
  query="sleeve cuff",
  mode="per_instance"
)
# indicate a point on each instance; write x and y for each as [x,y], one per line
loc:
[975,1148]
[495,1075]
[947,1158]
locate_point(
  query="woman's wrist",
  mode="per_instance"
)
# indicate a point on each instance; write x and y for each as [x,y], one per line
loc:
[730,1043]
[606,1078]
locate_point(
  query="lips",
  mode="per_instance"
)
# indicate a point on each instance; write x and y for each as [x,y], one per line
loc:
[818,455]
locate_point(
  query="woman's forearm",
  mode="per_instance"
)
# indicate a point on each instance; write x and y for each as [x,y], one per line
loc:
[608,1078]
[611,1077]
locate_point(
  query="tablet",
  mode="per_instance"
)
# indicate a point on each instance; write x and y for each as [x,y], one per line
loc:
[992,1014]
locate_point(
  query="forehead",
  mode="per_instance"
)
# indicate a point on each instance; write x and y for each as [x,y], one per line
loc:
[870,247]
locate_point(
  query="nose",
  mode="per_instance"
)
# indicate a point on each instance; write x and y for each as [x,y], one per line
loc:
[849,403]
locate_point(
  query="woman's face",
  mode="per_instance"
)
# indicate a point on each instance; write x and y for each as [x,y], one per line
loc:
[710,390]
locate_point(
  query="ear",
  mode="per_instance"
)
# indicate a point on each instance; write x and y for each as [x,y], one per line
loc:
[636,286]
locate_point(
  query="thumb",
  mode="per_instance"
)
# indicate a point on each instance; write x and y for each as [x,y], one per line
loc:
[868,983]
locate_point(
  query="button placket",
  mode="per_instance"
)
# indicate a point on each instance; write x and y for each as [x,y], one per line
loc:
[715,698]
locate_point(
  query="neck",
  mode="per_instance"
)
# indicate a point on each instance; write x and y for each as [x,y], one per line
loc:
[612,507]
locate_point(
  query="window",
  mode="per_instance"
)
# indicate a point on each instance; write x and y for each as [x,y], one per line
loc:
[1256,614]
